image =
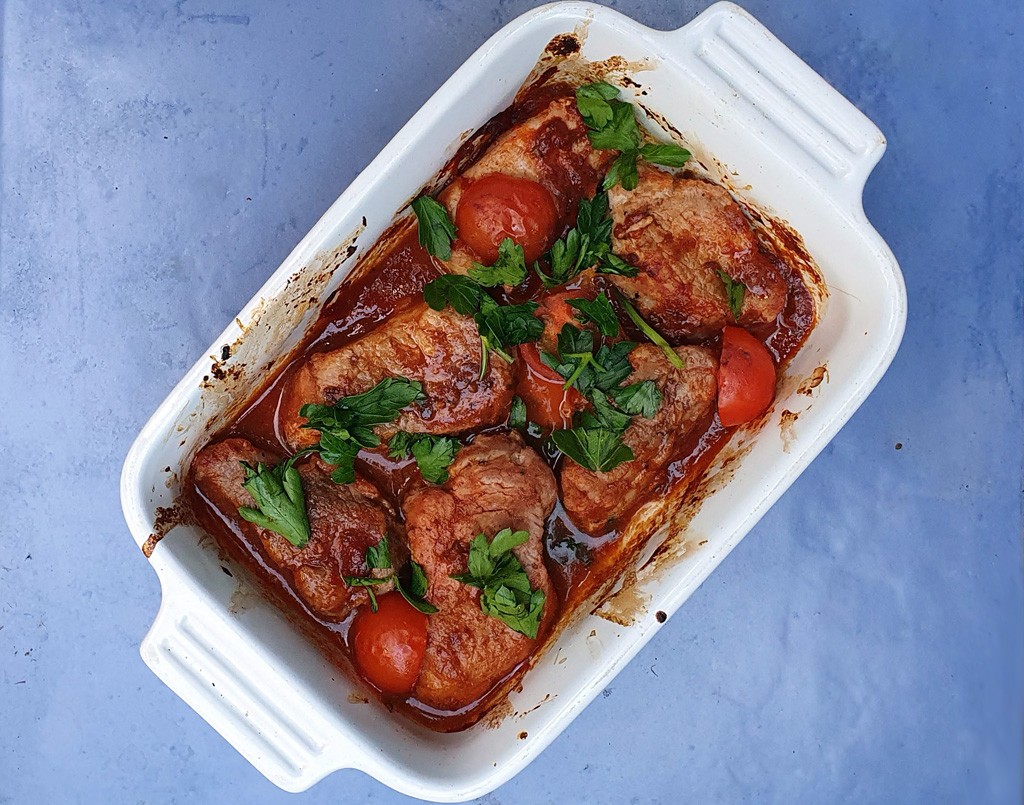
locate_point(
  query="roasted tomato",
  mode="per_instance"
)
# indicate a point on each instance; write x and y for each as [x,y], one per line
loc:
[746,377]
[497,206]
[389,644]
[547,403]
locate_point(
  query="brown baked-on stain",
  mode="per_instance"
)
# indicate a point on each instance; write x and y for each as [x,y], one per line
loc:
[167,517]
[786,423]
[523,735]
[563,46]
[660,616]
[662,121]
[548,697]
[812,381]
[358,698]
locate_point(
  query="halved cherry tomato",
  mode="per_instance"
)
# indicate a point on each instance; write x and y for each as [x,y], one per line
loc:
[547,403]
[389,644]
[746,377]
[497,206]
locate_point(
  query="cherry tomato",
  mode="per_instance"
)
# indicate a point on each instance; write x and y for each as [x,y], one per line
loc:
[547,403]
[746,377]
[497,206]
[389,644]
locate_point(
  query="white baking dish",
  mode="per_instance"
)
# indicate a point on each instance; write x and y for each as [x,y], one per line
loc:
[794,146]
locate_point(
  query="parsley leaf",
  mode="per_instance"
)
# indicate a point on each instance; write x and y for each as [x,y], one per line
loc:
[592,101]
[655,337]
[604,415]
[436,230]
[592,220]
[503,326]
[613,264]
[433,454]
[340,453]
[517,414]
[615,360]
[280,502]
[500,326]
[638,399]
[462,293]
[575,360]
[582,367]
[347,425]
[621,133]
[612,126]
[623,171]
[734,292]
[378,557]
[668,154]
[595,449]
[508,269]
[506,592]
[599,311]
[587,243]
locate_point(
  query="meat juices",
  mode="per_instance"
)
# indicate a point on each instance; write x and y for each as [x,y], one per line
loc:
[551,148]
[681,233]
[496,482]
[594,499]
[344,520]
[441,349]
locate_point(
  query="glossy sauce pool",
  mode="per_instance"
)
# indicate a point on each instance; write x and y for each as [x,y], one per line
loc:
[389,279]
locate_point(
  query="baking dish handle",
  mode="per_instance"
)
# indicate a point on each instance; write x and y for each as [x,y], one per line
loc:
[211,666]
[770,86]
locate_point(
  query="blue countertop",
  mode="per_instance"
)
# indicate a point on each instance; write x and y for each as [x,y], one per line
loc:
[864,643]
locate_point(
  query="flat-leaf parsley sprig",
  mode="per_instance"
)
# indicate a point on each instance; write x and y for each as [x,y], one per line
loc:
[505,588]
[347,425]
[612,125]
[378,557]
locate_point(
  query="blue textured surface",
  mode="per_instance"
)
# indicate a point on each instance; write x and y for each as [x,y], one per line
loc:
[864,643]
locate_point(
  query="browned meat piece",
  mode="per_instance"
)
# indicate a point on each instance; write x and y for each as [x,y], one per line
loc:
[344,521]
[594,499]
[680,233]
[551,148]
[496,482]
[441,349]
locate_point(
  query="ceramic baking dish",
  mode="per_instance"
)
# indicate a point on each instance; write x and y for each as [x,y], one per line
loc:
[785,141]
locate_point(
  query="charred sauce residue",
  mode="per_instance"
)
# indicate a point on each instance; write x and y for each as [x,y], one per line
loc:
[389,278]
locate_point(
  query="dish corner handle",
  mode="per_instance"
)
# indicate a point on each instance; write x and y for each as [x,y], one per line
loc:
[736,54]
[214,670]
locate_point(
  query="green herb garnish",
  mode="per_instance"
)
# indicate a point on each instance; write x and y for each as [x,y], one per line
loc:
[435,228]
[585,369]
[596,449]
[517,414]
[433,454]
[508,269]
[653,335]
[604,415]
[280,502]
[613,264]
[587,244]
[500,326]
[668,154]
[347,426]
[462,293]
[734,292]
[599,311]
[506,592]
[612,125]
[638,399]
[378,557]
[592,101]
